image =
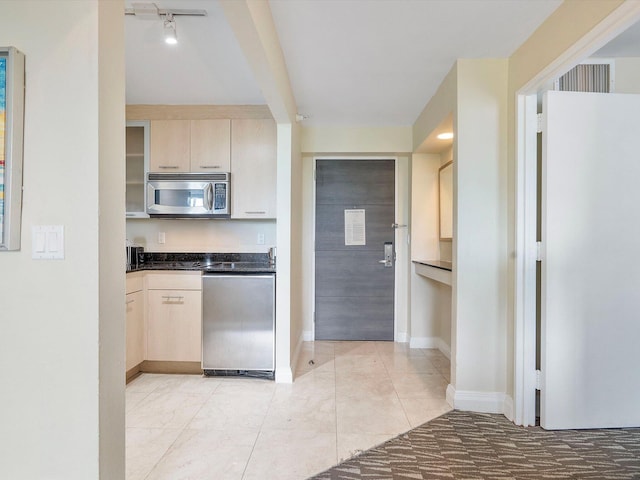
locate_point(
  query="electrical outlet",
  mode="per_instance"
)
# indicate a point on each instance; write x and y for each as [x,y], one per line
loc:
[161,238]
[261,239]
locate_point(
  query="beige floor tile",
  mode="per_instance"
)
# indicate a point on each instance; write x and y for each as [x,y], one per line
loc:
[318,348]
[314,383]
[316,413]
[148,382]
[352,444]
[353,396]
[315,363]
[355,348]
[145,447]
[360,364]
[197,384]
[408,364]
[204,455]
[359,386]
[306,453]
[390,348]
[431,385]
[165,410]
[133,398]
[421,410]
[234,406]
[371,415]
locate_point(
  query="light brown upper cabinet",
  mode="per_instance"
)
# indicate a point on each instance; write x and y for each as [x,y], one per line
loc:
[253,168]
[170,146]
[211,145]
[190,146]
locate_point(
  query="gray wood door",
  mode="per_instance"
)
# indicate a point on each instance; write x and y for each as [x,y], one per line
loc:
[354,291]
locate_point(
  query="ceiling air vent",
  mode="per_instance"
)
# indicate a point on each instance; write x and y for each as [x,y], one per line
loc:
[587,77]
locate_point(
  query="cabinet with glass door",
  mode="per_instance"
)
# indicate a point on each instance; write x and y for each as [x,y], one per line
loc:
[137,166]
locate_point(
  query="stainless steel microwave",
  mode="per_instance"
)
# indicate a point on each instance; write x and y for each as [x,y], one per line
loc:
[188,195]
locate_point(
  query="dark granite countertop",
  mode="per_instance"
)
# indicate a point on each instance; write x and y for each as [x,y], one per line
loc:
[441,264]
[206,262]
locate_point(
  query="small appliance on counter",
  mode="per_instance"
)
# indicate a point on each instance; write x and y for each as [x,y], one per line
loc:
[135,255]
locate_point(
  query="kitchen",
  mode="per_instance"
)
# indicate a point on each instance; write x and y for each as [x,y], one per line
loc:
[199,167]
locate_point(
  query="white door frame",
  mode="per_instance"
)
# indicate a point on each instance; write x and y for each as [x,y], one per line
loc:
[526,202]
[399,246]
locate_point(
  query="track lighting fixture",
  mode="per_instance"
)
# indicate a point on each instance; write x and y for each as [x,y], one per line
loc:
[170,35]
[151,11]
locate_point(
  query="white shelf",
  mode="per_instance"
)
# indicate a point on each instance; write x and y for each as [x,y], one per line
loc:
[434,273]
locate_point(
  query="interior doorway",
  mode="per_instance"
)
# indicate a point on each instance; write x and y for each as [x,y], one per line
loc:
[525,347]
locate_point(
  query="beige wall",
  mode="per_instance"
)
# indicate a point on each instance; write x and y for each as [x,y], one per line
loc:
[426,299]
[202,235]
[297,269]
[62,325]
[627,75]
[479,339]
[440,106]
[356,139]
[475,91]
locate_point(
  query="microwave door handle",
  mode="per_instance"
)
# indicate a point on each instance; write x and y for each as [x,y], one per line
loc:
[208,195]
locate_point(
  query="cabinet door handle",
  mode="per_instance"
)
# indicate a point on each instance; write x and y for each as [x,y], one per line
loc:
[262,212]
[210,166]
[176,298]
[129,301]
[168,166]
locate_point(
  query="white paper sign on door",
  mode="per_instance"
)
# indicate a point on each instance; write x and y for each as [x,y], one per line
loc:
[354,227]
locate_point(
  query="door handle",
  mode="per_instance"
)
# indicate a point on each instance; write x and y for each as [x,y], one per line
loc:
[208,196]
[388,255]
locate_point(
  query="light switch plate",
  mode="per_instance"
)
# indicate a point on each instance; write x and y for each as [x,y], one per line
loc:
[47,242]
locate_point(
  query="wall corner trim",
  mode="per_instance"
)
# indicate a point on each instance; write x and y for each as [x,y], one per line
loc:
[508,408]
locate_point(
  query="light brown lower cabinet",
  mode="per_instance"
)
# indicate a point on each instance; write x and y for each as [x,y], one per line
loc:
[135,329]
[136,340]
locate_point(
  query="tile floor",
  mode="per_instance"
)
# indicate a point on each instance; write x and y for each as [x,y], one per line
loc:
[354,395]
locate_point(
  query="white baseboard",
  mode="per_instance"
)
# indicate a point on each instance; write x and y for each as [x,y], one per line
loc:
[423,342]
[284,375]
[431,342]
[402,337]
[508,408]
[308,336]
[483,402]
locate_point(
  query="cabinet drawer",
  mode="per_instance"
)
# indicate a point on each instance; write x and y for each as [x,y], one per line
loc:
[134,282]
[174,281]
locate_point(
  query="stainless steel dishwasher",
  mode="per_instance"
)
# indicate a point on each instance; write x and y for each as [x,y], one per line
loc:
[238,324]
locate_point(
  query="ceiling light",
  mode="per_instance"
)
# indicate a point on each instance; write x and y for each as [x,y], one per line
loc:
[170,35]
[445,136]
[150,11]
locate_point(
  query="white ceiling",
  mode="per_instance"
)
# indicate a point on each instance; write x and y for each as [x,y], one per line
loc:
[350,62]
[205,67]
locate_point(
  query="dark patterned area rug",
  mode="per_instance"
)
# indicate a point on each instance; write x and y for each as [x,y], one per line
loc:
[470,446]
